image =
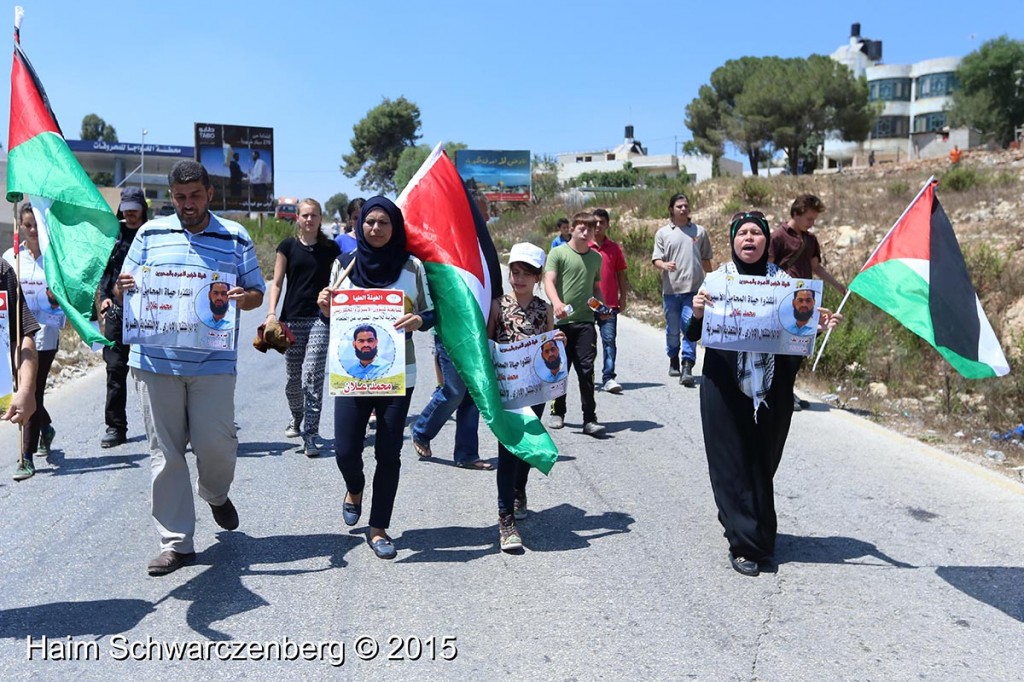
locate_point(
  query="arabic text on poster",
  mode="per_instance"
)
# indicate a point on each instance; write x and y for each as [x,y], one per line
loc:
[6,375]
[761,314]
[180,306]
[366,354]
[531,371]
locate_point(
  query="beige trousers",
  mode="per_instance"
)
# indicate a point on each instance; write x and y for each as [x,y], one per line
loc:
[178,411]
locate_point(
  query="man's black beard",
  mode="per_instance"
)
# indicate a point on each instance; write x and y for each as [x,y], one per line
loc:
[553,363]
[219,308]
[366,354]
[802,315]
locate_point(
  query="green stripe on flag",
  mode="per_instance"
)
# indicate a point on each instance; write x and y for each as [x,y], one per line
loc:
[902,293]
[463,332]
[80,228]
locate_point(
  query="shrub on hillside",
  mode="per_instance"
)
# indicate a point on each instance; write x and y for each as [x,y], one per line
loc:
[897,189]
[959,179]
[753,191]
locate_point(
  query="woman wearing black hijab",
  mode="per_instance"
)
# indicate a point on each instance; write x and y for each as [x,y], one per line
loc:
[746,405]
[381,262]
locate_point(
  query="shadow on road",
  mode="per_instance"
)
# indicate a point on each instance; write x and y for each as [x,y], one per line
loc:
[632,386]
[557,529]
[100,618]
[834,549]
[1001,587]
[218,592]
[62,466]
[261,449]
[636,426]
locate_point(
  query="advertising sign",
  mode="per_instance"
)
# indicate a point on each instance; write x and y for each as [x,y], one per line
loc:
[500,175]
[240,161]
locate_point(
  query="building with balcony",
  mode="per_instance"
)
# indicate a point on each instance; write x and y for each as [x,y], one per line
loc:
[913,99]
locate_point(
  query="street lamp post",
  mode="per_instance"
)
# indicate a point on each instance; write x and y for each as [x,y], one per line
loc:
[142,165]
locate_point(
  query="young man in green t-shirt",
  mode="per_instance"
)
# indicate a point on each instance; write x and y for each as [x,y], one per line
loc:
[571,278]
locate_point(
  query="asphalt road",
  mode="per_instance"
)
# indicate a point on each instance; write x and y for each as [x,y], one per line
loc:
[896,561]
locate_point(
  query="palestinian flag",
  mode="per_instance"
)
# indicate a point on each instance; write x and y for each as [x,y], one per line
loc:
[77,230]
[446,231]
[918,275]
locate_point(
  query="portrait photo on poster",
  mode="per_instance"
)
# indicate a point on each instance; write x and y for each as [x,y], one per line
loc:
[798,312]
[213,307]
[550,362]
[366,351]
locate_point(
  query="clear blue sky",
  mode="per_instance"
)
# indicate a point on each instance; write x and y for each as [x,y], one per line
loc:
[554,76]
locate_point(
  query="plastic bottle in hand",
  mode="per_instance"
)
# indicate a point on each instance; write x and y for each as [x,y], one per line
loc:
[566,312]
[598,307]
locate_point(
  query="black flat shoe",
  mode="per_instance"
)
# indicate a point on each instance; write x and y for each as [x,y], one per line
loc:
[744,566]
[350,513]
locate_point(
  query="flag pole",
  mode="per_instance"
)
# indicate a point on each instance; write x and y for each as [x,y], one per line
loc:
[928,183]
[17,329]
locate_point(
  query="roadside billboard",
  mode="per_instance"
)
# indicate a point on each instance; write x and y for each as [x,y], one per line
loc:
[502,175]
[240,161]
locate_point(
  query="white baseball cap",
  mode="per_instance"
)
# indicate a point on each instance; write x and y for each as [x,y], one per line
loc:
[525,252]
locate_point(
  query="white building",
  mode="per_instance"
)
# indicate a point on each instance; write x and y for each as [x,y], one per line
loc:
[573,164]
[912,122]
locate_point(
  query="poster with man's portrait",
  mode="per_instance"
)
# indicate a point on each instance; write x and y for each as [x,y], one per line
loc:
[42,302]
[761,314]
[181,306]
[6,375]
[531,371]
[366,354]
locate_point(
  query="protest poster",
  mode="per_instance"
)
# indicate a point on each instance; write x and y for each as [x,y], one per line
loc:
[6,374]
[531,371]
[39,299]
[180,306]
[366,354]
[761,314]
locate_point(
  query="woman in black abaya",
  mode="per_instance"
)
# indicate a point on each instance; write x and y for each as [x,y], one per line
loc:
[746,405]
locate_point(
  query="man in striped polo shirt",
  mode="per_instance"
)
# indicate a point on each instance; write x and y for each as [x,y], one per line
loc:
[188,395]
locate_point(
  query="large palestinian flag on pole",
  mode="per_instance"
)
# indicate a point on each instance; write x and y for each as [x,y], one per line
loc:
[446,231]
[77,229]
[918,275]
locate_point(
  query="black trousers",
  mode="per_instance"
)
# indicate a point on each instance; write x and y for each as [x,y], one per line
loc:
[513,474]
[351,416]
[40,418]
[116,358]
[581,349]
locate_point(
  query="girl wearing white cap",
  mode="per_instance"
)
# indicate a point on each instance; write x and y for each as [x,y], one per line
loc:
[513,317]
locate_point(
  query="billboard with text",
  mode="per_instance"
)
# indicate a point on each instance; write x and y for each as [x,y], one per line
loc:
[240,161]
[502,175]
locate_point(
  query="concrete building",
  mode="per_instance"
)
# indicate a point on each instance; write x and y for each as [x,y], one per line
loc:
[573,164]
[130,163]
[913,98]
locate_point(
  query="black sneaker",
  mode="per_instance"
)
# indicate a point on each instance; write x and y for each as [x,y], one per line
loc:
[686,375]
[113,437]
[225,515]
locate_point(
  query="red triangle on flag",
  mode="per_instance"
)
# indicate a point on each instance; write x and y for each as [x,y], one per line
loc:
[911,236]
[30,115]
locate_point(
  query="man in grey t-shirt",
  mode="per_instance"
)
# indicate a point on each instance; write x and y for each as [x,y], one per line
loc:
[682,252]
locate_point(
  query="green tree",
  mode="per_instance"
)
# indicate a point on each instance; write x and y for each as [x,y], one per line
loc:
[378,141]
[95,128]
[990,98]
[765,104]
[413,157]
[544,177]
[338,203]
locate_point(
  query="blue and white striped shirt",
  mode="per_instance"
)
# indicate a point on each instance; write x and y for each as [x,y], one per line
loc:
[224,246]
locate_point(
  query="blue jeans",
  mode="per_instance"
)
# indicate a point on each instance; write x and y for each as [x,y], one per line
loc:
[447,398]
[608,329]
[678,311]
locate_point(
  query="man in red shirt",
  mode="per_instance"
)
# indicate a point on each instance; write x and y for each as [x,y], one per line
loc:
[796,250]
[614,287]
